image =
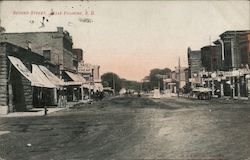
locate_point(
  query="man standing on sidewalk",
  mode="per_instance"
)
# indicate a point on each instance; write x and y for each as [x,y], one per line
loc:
[44,101]
[62,99]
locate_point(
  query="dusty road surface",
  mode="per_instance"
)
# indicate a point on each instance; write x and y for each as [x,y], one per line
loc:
[132,128]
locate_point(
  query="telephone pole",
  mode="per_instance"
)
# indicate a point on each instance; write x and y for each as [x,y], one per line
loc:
[179,77]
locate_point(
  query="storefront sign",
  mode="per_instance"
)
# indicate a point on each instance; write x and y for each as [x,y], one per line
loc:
[85,68]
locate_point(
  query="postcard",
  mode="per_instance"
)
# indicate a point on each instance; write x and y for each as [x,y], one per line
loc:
[132,79]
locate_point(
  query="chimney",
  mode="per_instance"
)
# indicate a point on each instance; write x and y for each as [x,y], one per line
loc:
[28,43]
[60,29]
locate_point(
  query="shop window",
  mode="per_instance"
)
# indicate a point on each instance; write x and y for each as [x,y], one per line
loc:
[47,55]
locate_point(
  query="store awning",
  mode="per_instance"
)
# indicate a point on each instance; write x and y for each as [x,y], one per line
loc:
[76,77]
[73,83]
[53,78]
[98,87]
[171,83]
[86,86]
[42,77]
[202,89]
[18,64]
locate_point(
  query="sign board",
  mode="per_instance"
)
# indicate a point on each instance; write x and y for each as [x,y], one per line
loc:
[84,68]
[167,80]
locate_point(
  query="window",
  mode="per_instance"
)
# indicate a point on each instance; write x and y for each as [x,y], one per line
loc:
[47,55]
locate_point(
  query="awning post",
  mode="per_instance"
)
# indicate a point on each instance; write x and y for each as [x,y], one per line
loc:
[82,92]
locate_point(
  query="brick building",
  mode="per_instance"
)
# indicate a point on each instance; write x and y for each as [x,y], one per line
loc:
[244,46]
[92,74]
[78,57]
[56,47]
[234,44]
[19,88]
[211,58]
[194,65]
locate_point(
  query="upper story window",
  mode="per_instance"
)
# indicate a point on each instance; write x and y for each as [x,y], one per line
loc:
[47,55]
[67,44]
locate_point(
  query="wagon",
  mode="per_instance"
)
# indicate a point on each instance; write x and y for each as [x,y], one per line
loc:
[202,93]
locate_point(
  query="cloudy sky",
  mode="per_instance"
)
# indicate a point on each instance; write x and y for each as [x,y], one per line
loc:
[131,37]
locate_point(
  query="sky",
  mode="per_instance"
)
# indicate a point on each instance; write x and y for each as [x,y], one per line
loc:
[131,37]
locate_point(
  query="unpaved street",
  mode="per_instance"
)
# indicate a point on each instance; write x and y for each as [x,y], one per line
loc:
[132,128]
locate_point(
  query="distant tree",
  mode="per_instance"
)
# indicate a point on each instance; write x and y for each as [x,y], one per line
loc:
[105,84]
[149,82]
[146,85]
[111,80]
[127,84]
[155,79]
[165,71]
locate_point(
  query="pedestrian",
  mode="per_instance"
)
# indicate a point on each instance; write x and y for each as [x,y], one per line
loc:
[44,100]
[64,99]
[59,98]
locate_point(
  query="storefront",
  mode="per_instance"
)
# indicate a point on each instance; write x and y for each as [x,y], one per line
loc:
[20,85]
[77,86]
[48,77]
[24,81]
[41,88]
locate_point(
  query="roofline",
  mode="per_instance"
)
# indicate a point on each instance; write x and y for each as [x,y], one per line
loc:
[237,31]
[208,46]
[29,32]
[195,51]
[8,43]
[216,42]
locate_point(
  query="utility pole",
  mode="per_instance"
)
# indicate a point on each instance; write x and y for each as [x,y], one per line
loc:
[233,87]
[238,86]
[221,88]
[179,77]
[159,84]
[164,85]
[141,86]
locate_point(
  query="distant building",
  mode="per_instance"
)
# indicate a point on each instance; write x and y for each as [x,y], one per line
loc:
[181,75]
[177,77]
[78,52]
[78,57]
[224,66]
[89,71]
[244,43]
[194,65]
[211,58]
[92,74]
[234,43]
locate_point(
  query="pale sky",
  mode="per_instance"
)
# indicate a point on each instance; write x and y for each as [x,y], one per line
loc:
[132,37]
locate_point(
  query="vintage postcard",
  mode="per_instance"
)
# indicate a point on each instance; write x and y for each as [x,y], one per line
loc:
[127,79]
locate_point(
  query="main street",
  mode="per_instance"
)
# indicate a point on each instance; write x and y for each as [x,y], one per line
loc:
[132,128]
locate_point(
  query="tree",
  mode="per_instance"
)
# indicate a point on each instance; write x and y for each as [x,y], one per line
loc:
[127,84]
[155,79]
[112,80]
[105,84]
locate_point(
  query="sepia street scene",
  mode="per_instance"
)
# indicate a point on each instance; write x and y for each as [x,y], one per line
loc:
[124,80]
